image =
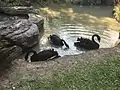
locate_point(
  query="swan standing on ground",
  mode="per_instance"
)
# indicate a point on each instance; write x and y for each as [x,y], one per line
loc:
[42,56]
[88,44]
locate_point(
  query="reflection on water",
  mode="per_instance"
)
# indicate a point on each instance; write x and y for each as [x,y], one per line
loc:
[85,23]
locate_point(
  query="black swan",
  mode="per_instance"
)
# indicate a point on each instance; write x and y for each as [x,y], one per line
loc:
[57,41]
[42,56]
[87,44]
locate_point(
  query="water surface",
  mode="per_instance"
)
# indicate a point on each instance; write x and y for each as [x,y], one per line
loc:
[77,21]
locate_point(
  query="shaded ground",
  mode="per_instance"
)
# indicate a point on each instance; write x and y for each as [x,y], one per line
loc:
[22,70]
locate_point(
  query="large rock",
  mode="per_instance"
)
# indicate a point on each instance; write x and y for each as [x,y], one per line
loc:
[38,20]
[23,27]
[21,32]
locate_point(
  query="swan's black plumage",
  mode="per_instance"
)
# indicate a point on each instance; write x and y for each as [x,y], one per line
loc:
[42,56]
[87,44]
[57,41]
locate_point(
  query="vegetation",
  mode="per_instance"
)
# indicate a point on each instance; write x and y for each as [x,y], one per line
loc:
[101,75]
[116,13]
[29,2]
[47,2]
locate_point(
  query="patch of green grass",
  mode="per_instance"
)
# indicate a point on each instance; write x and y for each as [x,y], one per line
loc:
[104,75]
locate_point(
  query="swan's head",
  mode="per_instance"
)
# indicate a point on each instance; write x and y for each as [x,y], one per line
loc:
[52,49]
[28,57]
[98,38]
[50,36]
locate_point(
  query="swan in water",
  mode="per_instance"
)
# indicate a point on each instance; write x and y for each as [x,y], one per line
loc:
[57,41]
[87,43]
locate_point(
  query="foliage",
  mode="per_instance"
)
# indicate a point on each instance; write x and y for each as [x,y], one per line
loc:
[47,2]
[116,13]
[14,2]
[29,2]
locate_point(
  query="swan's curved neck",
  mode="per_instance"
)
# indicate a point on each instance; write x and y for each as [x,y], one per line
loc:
[93,38]
[65,43]
[31,51]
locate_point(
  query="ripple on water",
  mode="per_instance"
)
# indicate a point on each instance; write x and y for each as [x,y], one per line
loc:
[70,32]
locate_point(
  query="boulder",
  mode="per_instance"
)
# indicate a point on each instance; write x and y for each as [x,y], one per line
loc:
[23,28]
[21,32]
[38,20]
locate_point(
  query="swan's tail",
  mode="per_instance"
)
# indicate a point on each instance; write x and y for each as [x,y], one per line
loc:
[65,43]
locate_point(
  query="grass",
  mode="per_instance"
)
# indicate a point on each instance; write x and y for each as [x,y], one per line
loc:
[103,75]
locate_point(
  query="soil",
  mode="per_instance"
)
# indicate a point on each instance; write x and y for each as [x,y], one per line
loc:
[21,69]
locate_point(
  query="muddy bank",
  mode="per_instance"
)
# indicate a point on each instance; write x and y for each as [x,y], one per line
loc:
[22,70]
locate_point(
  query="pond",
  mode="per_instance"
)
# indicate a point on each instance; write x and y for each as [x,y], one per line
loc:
[72,22]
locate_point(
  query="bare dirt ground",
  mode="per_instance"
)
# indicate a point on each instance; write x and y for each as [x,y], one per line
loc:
[20,69]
